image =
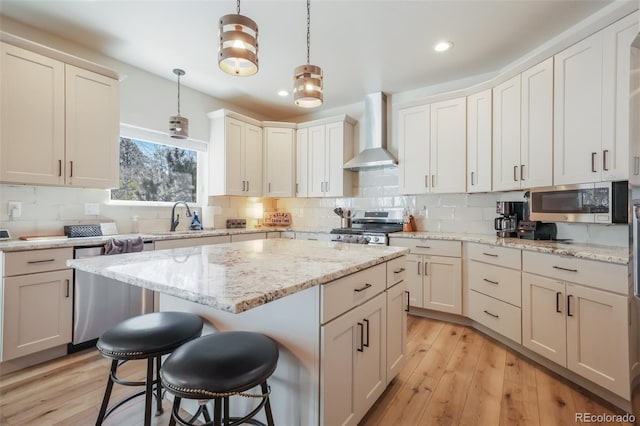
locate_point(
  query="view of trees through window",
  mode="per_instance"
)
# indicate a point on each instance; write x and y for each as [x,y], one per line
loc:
[155,172]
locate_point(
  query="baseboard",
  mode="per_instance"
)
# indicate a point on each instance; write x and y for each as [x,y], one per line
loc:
[12,365]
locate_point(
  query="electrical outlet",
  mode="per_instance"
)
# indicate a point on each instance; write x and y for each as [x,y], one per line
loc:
[15,209]
[92,209]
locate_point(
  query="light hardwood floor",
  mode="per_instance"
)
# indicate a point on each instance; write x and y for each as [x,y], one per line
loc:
[453,376]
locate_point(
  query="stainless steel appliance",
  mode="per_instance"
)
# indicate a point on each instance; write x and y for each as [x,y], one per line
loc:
[373,228]
[99,303]
[510,214]
[599,202]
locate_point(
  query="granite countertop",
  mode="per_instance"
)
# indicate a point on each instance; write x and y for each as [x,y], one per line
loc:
[235,277]
[618,255]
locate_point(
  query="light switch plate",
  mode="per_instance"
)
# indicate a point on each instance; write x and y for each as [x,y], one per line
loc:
[15,209]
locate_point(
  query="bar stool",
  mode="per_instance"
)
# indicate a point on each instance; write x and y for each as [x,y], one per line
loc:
[218,366]
[147,337]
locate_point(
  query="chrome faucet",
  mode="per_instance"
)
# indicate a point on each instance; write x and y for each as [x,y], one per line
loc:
[176,220]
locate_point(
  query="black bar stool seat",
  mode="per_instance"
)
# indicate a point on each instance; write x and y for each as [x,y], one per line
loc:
[147,337]
[218,366]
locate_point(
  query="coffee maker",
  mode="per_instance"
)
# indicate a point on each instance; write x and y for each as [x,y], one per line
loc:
[511,212]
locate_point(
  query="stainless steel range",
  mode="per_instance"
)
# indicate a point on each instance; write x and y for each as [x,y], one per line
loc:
[373,228]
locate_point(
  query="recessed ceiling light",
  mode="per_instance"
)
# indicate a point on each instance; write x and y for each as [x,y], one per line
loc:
[283,93]
[443,46]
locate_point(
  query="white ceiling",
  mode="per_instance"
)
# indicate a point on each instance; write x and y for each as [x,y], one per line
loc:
[362,46]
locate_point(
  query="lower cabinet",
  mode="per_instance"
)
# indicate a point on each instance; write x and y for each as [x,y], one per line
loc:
[37,312]
[397,308]
[354,346]
[580,328]
[435,282]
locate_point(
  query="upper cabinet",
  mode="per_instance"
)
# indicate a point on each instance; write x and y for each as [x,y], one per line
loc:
[523,129]
[60,123]
[235,155]
[302,161]
[591,106]
[329,146]
[432,147]
[279,161]
[479,142]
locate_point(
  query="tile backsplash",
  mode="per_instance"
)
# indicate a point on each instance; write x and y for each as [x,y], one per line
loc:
[45,210]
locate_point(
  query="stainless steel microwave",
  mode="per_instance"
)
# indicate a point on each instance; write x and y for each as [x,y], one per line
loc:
[600,202]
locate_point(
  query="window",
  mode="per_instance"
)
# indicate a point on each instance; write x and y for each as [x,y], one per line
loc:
[152,170]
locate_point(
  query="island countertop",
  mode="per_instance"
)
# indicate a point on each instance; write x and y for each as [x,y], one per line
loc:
[236,277]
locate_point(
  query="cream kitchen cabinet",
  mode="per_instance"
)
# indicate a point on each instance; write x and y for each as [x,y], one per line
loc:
[302,163]
[432,147]
[573,324]
[479,142]
[591,106]
[235,155]
[523,129]
[38,301]
[354,347]
[434,273]
[397,308]
[329,146]
[60,123]
[279,160]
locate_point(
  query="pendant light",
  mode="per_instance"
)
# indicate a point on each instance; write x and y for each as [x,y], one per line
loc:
[238,49]
[307,79]
[178,125]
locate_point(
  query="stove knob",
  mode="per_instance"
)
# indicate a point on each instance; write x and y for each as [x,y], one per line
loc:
[366,240]
[375,239]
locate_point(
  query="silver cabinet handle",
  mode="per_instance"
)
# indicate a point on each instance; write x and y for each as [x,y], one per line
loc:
[328,186]
[515,173]
[363,288]
[297,191]
[426,181]
[472,179]
[605,159]
[31,262]
[593,161]
[397,271]
[521,171]
[490,314]
[636,165]
[269,190]
[433,181]
[490,282]
[565,269]
[490,254]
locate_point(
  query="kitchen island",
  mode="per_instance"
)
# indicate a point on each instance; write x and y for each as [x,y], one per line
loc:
[336,311]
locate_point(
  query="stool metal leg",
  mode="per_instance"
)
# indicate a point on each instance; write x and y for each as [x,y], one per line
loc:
[158,383]
[226,411]
[107,393]
[217,411]
[174,411]
[267,405]
[149,393]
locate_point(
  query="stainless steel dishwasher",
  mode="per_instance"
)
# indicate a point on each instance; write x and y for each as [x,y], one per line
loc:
[99,303]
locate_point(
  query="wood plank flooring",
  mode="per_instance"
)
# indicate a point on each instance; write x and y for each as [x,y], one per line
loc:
[453,376]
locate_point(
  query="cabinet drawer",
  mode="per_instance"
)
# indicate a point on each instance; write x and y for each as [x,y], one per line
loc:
[396,270]
[499,316]
[341,295]
[501,283]
[32,261]
[602,275]
[427,246]
[501,256]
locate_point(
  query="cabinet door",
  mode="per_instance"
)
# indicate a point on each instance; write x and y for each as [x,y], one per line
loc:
[31,117]
[396,328]
[544,317]
[92,129]
[37,312]
[506,135]
[334,159]
[252,155]
[442,284]
[316,161]
[279,161]
[597,337]
[302,158]
[479,142]
[577,112]
[233,141]
[536,142]
[615,93]
[448,145]
[414,279]
[414,134]
[371,361]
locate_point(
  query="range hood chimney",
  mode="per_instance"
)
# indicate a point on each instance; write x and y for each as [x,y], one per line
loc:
[375,154]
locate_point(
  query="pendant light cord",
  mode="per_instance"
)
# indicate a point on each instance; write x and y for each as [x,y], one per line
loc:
[308,29]
[178,95]
[238,7]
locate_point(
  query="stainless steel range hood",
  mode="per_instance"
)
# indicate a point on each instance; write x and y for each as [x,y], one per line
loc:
[375,154]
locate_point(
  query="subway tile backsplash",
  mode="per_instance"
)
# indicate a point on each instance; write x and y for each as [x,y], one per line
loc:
[46,210]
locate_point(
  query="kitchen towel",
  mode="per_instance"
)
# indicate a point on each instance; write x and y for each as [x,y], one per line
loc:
[118,246]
